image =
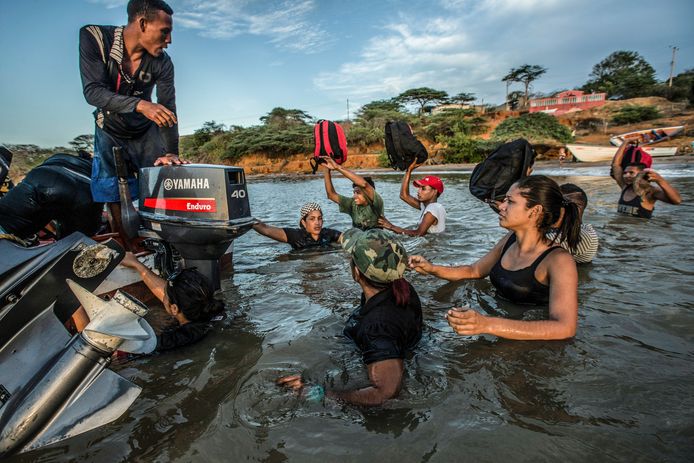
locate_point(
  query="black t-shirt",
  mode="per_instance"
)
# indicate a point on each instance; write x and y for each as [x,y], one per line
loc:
[182,335]
[299,238]
[383,330]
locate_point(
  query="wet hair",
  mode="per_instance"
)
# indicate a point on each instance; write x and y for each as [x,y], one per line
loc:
[543,191]
[193,295]
[368,180]
[147,8]
[576,192]
[400,287]
[638,165]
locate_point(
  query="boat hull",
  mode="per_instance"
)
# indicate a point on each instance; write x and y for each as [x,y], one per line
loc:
[591,153]
[648,136]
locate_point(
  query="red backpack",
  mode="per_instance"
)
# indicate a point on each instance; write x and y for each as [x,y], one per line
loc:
[330,141]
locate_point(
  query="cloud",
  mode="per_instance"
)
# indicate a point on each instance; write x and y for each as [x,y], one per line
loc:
[109,4]
[286,24]
[435,53]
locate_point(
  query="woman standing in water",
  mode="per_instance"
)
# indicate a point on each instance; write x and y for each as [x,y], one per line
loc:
[525,266]
[386,325]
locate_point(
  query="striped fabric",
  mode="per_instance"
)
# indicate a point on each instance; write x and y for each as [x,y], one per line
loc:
[587,244]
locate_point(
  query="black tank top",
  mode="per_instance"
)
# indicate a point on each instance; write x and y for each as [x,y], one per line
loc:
[520,286]
[632,207]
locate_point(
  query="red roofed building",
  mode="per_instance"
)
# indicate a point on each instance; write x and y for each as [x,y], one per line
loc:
[569,101]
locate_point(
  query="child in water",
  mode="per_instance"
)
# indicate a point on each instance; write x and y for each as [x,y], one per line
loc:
[636,199]
[365,206]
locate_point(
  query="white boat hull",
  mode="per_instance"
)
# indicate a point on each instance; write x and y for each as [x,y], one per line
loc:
[665,132]
[590,153]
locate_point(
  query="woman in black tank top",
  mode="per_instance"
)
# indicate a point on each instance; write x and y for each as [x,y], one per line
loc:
[524,266]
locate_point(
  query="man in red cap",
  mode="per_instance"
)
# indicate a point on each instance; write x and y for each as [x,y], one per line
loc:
[433,216]
[641,186]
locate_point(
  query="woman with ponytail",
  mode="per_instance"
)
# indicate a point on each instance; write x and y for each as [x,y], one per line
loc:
[385,327]
[187,296]
[525,266]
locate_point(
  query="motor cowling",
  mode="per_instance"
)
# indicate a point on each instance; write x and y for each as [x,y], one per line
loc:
[198,208]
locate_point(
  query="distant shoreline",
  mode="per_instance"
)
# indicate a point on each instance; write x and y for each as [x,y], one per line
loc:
[686,160]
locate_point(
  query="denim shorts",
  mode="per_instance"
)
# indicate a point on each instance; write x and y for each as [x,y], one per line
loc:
[137,153]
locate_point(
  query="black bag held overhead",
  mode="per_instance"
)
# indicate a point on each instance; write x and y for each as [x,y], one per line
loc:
[492,178]
[402,147]
[330,141]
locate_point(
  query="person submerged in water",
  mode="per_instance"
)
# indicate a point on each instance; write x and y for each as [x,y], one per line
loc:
[433,216]
[311,233]
[524,266]
[385,327]
[365,206]
[641,186]
[187,296]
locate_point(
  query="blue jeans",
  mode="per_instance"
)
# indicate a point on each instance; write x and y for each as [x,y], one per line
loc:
[137,153]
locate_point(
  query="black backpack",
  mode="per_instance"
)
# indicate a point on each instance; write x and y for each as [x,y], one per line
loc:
[492,178]
[402,147]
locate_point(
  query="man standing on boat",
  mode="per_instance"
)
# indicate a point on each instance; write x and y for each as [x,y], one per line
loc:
[120,66]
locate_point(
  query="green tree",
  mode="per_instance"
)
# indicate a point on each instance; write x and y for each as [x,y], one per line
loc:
[623,74]
[636,113]
[380,105]
[422,96]
[83,142]
[536,127]
[682,87]
[525,74]
[462,98]
[208,130]
[283,118]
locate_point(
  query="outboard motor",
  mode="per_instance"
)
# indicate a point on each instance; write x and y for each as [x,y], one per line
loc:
[200,209]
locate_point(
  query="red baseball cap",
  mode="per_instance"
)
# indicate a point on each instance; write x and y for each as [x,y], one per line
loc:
[432,181]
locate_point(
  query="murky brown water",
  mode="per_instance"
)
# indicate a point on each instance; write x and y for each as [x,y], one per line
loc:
[620,391]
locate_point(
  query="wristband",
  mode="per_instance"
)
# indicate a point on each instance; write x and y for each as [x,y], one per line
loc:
[314,393]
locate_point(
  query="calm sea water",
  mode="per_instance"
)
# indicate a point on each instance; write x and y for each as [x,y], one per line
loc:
[622,390]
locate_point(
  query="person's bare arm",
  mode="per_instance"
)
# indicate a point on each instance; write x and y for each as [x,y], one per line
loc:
[385,377]
[616,170]
[427,221]
[405,187]
[277,234]
[563,309]
[329,187]
[357,179]
[479,269]
[155,283]
[665,192]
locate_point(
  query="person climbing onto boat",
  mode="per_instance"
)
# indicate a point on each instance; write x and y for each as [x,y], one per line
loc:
[525,266]
[641,186]
[588,240]
[386,326]
[365,206]
[311,233]
[120,67]
[187,296]
[433,216]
